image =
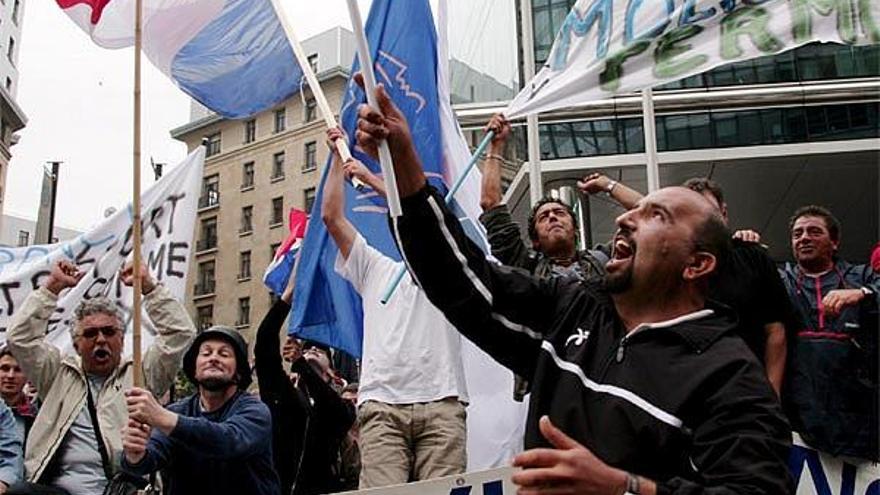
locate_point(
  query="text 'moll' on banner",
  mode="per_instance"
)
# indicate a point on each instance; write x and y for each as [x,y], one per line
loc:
[610,47]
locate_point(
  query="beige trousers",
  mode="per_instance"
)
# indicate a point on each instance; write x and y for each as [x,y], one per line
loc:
[411,442]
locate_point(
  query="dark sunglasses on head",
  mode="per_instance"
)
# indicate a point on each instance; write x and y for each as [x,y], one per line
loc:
[91,333]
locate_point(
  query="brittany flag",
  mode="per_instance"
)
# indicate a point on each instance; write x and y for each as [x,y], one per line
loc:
[278,272]
[232,56]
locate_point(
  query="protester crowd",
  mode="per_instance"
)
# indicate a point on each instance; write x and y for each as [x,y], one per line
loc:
[676,358]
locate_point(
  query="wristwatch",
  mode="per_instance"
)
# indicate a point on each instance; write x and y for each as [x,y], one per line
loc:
[633,486]
[866,291]
[610,187]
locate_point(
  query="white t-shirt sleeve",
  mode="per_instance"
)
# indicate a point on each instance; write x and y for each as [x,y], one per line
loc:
[361,266]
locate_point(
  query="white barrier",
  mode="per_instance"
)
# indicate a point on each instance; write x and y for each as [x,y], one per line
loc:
[815,473]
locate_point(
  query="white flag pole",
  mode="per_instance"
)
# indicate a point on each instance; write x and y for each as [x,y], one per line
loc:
[652,162]
[536,187]
[312,79]
[366,60]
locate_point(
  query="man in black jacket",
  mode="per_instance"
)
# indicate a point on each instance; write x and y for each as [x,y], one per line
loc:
[749,283]
[650,389]
[309,419]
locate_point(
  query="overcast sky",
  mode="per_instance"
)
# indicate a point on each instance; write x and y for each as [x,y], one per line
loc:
[78,101]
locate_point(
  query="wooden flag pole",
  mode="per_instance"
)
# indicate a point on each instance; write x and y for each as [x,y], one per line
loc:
[312,79]
[138,377]
[366,60]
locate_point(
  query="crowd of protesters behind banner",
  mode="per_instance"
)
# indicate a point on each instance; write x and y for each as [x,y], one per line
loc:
[676,358]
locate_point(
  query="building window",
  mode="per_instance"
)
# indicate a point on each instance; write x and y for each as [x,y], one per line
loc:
[244,311]
[247,219]
[210,191]
[244,265]
[280,119]
[15,8]
[309,198]
[205,317]
[313,62]
[10,50]
[311,156]
[273,249]
[208,234]
[311,110]
[212,145]
[205,283]
[247,175]
[278,165]
[24,238]
[250,131]
[277,211]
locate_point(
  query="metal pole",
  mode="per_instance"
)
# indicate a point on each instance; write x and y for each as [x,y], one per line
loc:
[366,60]
[54,178]
[536,188]
[138,377]
[652,162]
[389,290]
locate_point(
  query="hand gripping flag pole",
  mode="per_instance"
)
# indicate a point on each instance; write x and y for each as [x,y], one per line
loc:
[389,291]
[309,74]
[366,63]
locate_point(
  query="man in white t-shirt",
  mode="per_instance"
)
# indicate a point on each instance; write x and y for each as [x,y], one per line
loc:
[412,395]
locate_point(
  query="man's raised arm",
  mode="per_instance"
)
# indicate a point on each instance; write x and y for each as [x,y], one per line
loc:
[502,310]
[333,201]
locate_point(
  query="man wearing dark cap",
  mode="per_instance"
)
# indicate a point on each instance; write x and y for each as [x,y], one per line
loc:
[216,441]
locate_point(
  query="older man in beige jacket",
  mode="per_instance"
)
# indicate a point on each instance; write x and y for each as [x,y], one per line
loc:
[64,453]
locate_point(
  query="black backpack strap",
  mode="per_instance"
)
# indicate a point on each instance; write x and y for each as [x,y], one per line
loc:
[102,448]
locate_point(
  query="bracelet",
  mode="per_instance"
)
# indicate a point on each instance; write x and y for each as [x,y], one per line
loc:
[611,186]
[493,156]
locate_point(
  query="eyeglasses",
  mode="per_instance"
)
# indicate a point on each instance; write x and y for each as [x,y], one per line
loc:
[92,332]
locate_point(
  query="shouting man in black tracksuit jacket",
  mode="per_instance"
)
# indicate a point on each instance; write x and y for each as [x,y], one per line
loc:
[644,386]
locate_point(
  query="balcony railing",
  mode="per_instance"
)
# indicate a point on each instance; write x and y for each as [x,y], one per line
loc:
[204,288]
[206,244]
[212,198]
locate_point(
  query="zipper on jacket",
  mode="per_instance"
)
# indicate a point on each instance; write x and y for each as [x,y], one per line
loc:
[621,350]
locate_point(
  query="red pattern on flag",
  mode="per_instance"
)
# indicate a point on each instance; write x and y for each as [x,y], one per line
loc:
[96,5]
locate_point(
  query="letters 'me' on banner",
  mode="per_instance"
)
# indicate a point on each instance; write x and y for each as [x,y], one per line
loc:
[608,47]
[168,217]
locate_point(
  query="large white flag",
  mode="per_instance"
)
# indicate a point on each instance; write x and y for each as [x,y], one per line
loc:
[168,216]
[609,47]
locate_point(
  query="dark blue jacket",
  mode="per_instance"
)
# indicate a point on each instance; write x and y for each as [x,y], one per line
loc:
[228,451]
[831,382]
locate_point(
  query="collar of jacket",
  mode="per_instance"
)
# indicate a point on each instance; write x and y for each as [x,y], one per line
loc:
[701,330]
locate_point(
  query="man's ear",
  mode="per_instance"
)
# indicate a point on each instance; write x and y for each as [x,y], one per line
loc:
[700,264]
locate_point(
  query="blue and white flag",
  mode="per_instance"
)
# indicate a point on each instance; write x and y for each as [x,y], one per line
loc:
[403,42]
[232,56]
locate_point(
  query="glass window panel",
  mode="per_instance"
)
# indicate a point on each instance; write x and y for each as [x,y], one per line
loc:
[677,133]
[749,124]
[816,124]
[606,138]
[725,129]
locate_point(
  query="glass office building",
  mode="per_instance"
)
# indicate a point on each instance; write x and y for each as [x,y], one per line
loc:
[777,132]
